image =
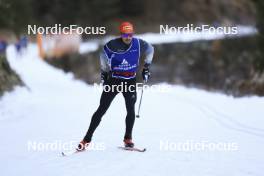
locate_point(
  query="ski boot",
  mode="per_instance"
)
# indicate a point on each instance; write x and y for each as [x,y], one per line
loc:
[128,143]
[82,146]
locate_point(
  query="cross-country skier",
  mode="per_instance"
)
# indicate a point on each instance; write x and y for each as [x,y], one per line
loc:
[119,63]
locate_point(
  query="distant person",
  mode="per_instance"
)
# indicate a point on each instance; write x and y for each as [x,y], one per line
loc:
[21,44]
[119,64]
[24,42]
[18,47]
[3,46]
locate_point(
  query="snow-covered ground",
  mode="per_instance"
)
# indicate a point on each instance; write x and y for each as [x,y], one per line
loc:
[56,108]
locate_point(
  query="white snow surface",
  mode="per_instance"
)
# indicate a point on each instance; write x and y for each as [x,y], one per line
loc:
[56,107]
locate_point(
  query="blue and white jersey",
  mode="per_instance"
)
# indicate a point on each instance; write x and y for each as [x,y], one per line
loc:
[124,64]
[122,59]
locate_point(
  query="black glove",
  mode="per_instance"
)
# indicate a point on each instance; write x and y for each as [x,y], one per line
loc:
[146,73]
[104,76]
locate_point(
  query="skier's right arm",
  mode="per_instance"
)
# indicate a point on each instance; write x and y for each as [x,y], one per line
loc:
[104,67]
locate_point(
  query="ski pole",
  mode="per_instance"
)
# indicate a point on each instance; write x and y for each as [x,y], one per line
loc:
[140,99]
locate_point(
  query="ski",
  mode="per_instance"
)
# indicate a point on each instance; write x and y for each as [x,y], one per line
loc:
[71,152]
[133,149]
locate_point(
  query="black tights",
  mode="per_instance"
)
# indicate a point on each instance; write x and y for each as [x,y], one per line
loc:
[105,102]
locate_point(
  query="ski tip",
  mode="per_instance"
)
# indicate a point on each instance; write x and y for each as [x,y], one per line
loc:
[133,149]
[141,150]
[71,152]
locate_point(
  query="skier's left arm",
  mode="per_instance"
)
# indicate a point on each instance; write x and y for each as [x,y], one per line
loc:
[148,51]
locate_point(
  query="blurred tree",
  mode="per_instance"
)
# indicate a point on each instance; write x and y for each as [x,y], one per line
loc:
[259,61]
[15,14]
[132,8]
[98,11]
[148,14]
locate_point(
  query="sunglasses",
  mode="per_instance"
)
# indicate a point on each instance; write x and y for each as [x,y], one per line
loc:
[127,35]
